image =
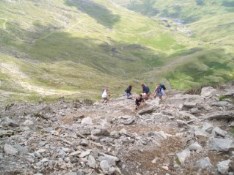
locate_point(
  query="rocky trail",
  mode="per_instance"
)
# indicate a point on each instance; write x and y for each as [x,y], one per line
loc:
[183,134]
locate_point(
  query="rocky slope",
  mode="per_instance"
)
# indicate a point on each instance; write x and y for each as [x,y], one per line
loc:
[183,134]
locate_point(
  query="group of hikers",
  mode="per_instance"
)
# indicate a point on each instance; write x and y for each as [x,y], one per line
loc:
[141,98]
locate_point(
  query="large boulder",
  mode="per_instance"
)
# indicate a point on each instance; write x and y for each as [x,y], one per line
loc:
[208,92]
[219,144]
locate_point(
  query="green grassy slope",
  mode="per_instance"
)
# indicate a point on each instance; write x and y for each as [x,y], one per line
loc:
[74,48]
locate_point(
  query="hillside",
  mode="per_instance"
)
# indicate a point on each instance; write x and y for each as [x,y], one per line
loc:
[74,47]
[182,134]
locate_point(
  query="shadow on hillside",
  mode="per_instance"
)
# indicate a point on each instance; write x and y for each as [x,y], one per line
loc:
[145,7]
[46,43]
[100,13]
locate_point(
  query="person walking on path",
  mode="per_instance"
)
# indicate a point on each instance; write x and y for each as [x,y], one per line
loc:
[160,91]
[128,92]
[105,95]
[145,91]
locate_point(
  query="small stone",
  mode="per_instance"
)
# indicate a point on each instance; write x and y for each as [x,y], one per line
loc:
[194,111]
[190,104]
[183,155]
[66,150]
[84,153]
[91,162]
[207,127]
[105,166]
[110,159]
[223,167]
[204,163]
[115,134]
[86,121]
[195,147]
[219,132]
[84,142]
[75,153]
[28,123]
[123,131]
[165,168]
[100,132]
[8,149]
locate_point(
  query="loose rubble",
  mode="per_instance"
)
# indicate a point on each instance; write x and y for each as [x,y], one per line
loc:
[183,134]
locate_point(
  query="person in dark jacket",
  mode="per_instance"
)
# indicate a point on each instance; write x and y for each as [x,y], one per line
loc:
[128,92]
[145,91]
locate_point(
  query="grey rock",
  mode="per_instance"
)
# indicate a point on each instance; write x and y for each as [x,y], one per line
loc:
[148,110]
[123,131]
[115,134]
[128,121]
[8,149]
[183,155]
[9,122]
[200,134]
[195,147]
[84,153]
[219,144]
[161,135]
[223,167]
[181,123]
[28,123]
[208,92]
[110,159]
[105,166]
[221,104]
[223,115]
[84,142]
[219,132]
[194,111]
[204,163]
[207,127]
[91,162]
[87,121]
[189,104]
[100,132]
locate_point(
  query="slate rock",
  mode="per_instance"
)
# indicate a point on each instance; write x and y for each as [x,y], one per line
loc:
[8,149]
[204,164]
[91,162]
[223,167]
[105,166]
[217,132]
[195,147]
[183,155]
[219,144]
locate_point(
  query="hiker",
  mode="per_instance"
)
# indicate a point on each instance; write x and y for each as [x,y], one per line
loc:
[159,91]
[139,101]
[128,92]
[105,95]
[145,91]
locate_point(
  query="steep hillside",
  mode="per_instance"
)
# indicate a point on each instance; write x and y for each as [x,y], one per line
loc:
[74,47]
